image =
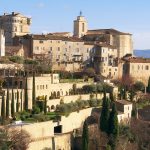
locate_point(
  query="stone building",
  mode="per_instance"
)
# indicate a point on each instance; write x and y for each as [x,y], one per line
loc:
[14,24]
[122,41]
[124,109]
[106,60]
[2,43]
[80,26]
[136,68]
[63,53]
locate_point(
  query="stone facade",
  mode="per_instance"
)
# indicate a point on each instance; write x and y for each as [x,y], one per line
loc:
[14,24]
[2,43]
[63,53]
[124,111]
[106,61]
[136,68]
[43,133]
[80,26]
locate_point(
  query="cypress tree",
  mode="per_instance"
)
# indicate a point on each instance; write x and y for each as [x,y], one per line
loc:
[85,136]
[12,104]
[26,96]
[45,105]
[104,118]
[7,104]
[33,91]
[3,111]
[113,127]
[17,104]
[148,87]
[21,99]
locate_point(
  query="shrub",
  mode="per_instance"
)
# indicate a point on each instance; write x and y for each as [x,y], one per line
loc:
[35,110]
[139,86]
[40,117]
[40,104]
[17,59]
[93,103]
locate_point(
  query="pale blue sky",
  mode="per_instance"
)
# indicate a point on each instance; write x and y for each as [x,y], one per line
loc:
[57,15]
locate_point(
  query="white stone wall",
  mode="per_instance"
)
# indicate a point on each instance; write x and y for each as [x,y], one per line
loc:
[42,134]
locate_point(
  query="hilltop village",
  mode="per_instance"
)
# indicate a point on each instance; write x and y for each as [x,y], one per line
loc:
[56,88]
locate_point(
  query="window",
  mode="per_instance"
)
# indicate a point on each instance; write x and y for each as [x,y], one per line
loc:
[21,29]
[146,67]
[37,87]
[138,67]
[51,48]
[43,86]
[37,48]
[87,50]
[83,28]
[41,41]
[77,50]
[58,48]
[102,59]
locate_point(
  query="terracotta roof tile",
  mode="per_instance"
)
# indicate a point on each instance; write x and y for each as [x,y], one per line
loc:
[106,31]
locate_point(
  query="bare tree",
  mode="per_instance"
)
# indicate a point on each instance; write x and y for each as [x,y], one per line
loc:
[20,140]
[14,139]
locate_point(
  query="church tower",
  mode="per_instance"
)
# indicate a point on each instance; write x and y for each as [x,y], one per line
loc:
[80,26]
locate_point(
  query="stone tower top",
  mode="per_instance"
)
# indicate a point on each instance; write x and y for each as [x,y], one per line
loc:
[80,26]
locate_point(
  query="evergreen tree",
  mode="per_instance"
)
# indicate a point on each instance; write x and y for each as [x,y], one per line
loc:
[104,118]
[45,105]
[17,104]
[33,91]
[3,111]
[21,99]
[148,87]
[7,104]
[111,96]
[12,104]
[113,127]
[26,96]
[85,136]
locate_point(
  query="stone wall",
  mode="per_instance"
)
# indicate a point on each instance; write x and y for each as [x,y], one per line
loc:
[70,98]
[42,134]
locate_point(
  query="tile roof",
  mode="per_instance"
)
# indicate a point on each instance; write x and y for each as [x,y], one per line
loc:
[51,37]
[124,102]
[107,31]
[136,60]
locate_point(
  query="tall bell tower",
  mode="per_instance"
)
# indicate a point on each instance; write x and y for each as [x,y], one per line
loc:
[80,26]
